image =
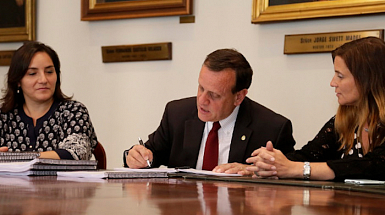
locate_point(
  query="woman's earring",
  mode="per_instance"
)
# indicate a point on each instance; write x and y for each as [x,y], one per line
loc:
[18,90]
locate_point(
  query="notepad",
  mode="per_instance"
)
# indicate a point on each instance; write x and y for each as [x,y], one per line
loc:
[31,173]
[174,170]
[125,169]
[17,156]
[363,181]
[113,174]
[42,166]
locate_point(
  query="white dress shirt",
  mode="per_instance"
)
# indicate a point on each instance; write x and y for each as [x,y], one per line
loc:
[225,133]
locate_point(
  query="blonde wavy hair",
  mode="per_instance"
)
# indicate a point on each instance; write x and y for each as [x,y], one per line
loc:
[365,59]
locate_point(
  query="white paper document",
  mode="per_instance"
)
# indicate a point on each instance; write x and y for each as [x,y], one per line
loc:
[16,166]
[84,174]
[168,170]
[206,172]
[123,172]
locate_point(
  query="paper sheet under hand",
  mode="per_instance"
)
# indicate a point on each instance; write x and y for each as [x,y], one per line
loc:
[205,172]
[84,174]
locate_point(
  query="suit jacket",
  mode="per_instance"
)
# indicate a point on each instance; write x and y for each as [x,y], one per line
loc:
[177,140]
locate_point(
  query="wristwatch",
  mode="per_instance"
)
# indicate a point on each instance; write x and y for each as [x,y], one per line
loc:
[306,170]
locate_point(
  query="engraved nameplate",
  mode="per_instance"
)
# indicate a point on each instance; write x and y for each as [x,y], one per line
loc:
[6,57]
[140,52]
[324,42]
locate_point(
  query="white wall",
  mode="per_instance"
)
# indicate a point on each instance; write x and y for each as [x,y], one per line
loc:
[126,100]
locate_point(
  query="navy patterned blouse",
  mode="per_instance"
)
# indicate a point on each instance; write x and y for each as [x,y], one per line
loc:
[66,129]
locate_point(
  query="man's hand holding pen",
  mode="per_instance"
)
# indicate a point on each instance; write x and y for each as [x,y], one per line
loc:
[139,157]
[141,143]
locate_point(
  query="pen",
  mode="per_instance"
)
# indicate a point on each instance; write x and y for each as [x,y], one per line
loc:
[141,143]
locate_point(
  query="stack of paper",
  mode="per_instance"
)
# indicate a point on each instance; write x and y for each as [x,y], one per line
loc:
[40,166]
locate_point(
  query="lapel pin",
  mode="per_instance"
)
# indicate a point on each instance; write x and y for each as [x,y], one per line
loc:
[243,137]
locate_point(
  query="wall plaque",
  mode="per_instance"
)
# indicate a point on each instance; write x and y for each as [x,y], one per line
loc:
[187,19]
[324,42]
[140,52]
[6,57]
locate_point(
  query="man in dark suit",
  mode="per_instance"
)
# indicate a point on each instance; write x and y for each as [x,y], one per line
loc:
[245,125]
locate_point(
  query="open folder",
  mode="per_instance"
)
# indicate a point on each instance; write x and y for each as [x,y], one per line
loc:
[137,173]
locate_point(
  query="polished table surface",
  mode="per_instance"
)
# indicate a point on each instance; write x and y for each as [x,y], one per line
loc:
[59,195]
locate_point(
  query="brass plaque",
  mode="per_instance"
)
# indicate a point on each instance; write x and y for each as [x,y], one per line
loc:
[324,42]
[6,57]
[140,52]
[187,19]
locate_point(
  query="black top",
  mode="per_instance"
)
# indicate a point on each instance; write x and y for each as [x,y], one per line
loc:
[66,129]
[324,148]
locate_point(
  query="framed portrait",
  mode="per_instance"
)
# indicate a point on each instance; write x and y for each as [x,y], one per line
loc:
[17,20]
[122,9]
[286,10]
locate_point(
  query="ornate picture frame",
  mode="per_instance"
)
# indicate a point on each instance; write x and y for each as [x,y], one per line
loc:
[92,10]
[15,31]
[307,9]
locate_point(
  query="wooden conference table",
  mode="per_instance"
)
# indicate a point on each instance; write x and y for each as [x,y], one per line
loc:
[185,195]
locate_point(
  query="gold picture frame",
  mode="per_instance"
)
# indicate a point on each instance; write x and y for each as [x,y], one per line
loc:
[262,11]
[25,32]
[92,10]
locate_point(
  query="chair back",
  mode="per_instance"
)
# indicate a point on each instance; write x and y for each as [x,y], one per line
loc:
[100,156]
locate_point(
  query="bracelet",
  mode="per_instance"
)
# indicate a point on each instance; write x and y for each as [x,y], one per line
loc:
[306,170]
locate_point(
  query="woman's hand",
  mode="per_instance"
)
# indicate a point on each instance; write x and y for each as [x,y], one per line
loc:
[49,155]
[4,149]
